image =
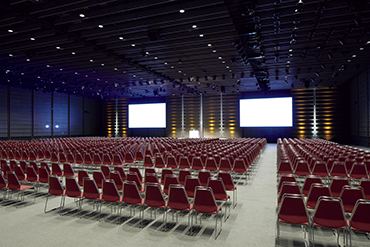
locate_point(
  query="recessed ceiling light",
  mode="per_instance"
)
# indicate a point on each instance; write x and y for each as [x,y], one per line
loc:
[61,69]
[201,35]
[48,65]
[209,44]
[73,53]
[354,55]
[132,44]
[102,64]
[100,26]
[214,50]
[134,75]
[155,57]
[32,39]
[290,50]
[91,60]
[86,76]
[82,15]
[349,60]
[147,53]
[172,67]
[219,57]
[179,71]
[121,38]
[10,55]
[223,61]
[115,69]
[361,48]
[368,42]
[227,67]
[182,11]
[28,60]
[194,26]
[58,47]
[165,63]
[76,73]
[10,30]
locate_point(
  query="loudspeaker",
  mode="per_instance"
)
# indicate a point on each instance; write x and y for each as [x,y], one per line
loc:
[223,89]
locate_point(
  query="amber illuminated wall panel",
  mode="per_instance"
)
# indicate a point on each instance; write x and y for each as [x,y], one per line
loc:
[122,109]
[212,116]
[191,114]
[328,120]
[110,117]
[303,113]
[231,115]
[174,116]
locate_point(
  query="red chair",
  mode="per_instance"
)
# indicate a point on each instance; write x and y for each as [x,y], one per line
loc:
[44,175]
[320,169]
[169,179]
[203,176]
[225,164]
[229,185]
[337,184]
[135,169]
[97,159]
[15,185]
[178,200]
[116,177]
[79,159]
[240,166]
[165,171]
[310,179]
[205,203]
[34,166]
[23,165]
[91,192]
[56,170]
[62,158]
[131,196]
[339,170]
[365,184]
[120,170]
[219,192]
[287,178]
[158,161]
[171,162]
[182,175]
[112,196]
[358,171]
[292,211]
[132,176]
[20,173]
[129,158]
[211,164]
[5,168]
[184,163]
[68,171]
[349,197]
[197,164]
[302,168]
[32,177]
[73,190]
[117,160]
[154,198]
[329,213]
[71,158]
[360,219]
[3,185]
[87,159]
[55,189]
[316,190]
[148,162]
[150,170]
[54,157]
[191,182]
[290,188]
[82,174]
[151,178]
[99,177]
[107,160]
[106,171]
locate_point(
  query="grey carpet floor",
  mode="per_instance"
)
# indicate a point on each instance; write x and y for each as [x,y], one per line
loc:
[251,223]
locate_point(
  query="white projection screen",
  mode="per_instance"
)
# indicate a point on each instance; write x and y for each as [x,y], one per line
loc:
[147,115]
[266,112]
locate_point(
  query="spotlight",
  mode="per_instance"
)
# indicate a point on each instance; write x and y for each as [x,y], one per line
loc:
[300,3]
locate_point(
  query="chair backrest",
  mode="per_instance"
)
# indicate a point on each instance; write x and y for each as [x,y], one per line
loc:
[320,169]
[154,196]
[56,169]
[227,180]
[302,168]
[97,159]
[131,193]
[150,170]
[132,176]
[360,219]
[35,167]
[171,162]
[204,201]
[107,160]
[44,175]
[106,171]
[121,171]
[137,170]
[329,213]
[20,173]
[90,189]
[182,175]
[191,182]
[177,198]
[129,158]
[337,184]
[203,176]
[151,178]
[358,171]
[117,160]
[116,177]
[211,164]
[292,210]
[99,177]
[62,158]
[165,171]
[82,174]
[184,163]
[5,168]
[87,159]
[13,182]
[79,158]
[225,164]
[338,170]
[218,188]
[365,184]
[148,162]
[289,187]
[110,192]
[169,179]
[239,166]
[68,170]
[23,165]
[70,158]
[158,161]
[349,196]
[55,186]
[310,179]
[72,187]
[316,190]
[197,163]
[287,178]
[31,174]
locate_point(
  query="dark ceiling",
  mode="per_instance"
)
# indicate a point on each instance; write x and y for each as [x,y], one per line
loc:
[146,48]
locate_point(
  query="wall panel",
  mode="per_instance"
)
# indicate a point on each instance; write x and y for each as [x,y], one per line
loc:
[42,114]
[76,115]
[174,116]
[192,113]
[20,113]
[212,116]
[3,112]
[60,115]
[90,117]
